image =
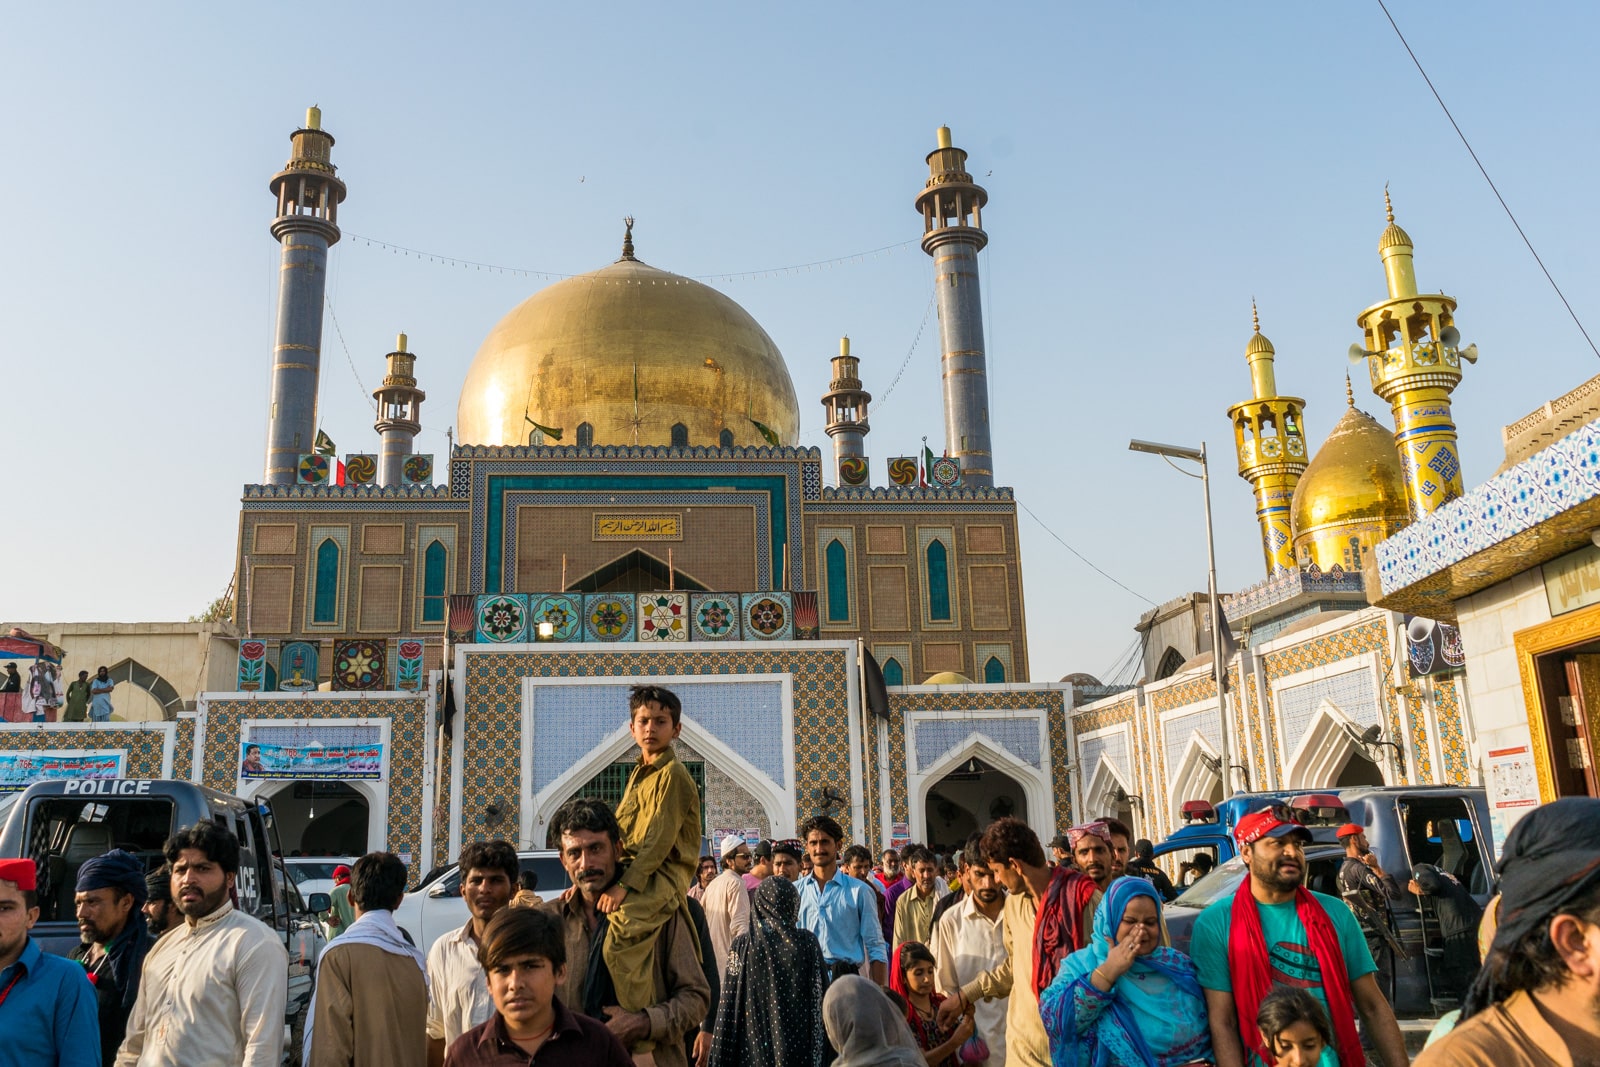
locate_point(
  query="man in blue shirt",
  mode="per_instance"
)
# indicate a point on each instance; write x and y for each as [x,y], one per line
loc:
[47,1006]
[840,911]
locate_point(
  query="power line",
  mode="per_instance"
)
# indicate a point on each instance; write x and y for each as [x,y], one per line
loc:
[1485,173]
[1081,556]
[904,363]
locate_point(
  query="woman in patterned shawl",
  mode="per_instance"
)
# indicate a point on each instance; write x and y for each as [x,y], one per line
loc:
[1127,999]
[770,1014]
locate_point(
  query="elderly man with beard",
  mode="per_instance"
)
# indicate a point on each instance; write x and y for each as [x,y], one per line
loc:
[1536,1001]
[458,990]
[213,992]
[110,899]
[969,940]
[1275,932]
[591,847]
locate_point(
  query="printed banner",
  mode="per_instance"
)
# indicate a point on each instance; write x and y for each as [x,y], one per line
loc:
[18,770]
[259,760]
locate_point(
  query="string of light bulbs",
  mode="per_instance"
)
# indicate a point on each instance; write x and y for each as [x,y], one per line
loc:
[547,275]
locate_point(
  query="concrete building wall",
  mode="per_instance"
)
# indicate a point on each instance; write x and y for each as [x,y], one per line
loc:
[191,657]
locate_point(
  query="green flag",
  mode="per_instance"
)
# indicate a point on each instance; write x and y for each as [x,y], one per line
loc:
[324,445]
[554,434]
[766,432]
[927,461]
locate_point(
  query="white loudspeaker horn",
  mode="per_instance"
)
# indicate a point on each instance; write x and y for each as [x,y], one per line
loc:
[1450,336]
[1419,629]
[1470,353]
[1357,354]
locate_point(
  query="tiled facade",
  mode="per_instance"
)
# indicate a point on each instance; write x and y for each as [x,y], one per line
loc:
[1285,686]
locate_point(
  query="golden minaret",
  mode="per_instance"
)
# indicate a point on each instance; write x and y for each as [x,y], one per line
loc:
[1414,356]
[1268,434]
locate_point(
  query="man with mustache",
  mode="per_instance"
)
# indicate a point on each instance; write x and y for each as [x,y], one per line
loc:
[591,848]
[969,940]
[1275,932]
[110,899]
[214,990]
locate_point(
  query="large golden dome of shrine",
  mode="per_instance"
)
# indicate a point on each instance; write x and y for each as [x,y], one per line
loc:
[1352,495]
[625,355]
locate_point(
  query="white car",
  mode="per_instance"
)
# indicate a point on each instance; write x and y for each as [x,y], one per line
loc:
[314,874]
[436,908]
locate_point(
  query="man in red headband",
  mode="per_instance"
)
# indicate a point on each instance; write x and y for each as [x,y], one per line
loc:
[1275,932]
[47,1005]
[343,912]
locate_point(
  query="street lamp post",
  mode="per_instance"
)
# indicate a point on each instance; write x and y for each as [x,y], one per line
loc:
[1219,668]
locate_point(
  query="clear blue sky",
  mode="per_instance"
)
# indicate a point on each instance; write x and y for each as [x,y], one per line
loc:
[1150,169]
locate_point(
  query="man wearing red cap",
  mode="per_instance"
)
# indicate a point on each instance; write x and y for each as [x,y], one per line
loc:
[47,1005]
[1368,890]
[1275,932]
[343,912]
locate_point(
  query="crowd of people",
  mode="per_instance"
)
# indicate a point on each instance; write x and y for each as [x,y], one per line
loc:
[804,952]
[39,695]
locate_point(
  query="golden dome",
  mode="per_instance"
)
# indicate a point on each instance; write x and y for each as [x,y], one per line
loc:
[1352,495]
[632,351]
[1258,343]
[947,678]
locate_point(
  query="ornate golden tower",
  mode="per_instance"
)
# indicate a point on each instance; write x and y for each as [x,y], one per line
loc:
[1413,355]
[1268,435]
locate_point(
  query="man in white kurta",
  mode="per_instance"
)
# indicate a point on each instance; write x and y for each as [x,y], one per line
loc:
[726,900]
[214,989]
[969,940]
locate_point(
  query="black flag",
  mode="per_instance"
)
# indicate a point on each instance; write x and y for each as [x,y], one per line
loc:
[449,712]
[1224,646]
[873,687]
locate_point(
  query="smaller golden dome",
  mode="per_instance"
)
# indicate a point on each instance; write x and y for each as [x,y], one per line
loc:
[1352,495]
[1393,237]
[948,678]
[1258,343]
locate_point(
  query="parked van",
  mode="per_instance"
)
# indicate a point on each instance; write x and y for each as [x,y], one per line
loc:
[61,824]
[1447,826]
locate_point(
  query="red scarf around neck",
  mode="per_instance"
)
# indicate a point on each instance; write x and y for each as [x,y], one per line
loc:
[1058,929]
[1251,976]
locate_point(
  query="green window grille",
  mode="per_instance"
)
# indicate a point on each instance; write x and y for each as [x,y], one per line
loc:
[994,670]
[893,673]
[938,582]
[433,561]
[612,782]
[325,602]
[838,582]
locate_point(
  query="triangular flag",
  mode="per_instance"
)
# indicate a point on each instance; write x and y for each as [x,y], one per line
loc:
[766,432]
[547,431]
[324,445]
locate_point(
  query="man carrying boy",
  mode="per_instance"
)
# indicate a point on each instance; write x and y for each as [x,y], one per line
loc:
[680,996]
[458,992]
[525,960]
[660,821]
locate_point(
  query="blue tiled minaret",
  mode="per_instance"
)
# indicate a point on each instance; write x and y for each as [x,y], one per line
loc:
[951,205]
[306,226]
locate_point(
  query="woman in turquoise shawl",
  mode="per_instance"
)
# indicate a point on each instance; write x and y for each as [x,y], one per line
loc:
[1127,1000]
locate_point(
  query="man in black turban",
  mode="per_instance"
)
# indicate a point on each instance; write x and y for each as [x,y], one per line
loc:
[1457,916]
[1537,998]
[110,896]
[159,910]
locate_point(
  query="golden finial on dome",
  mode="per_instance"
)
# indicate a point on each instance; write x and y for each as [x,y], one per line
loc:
[1255,319]
[1388,206]
[627,237]
[1349,391]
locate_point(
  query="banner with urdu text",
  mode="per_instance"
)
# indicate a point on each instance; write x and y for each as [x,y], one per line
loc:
[260,760]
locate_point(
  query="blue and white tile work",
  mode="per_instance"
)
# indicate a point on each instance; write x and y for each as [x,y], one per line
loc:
[1550,482]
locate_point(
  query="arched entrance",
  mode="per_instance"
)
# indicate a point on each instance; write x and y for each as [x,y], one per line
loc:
[321,818]
[969,798]
[612,781]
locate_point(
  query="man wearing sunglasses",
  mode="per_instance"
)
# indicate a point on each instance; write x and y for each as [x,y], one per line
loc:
[1275,932]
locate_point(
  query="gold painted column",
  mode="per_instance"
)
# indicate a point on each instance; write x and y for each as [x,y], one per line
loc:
[1269,439]
[1413,355]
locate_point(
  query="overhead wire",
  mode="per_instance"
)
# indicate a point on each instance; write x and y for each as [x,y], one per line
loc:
[1492,187]
[1085,559]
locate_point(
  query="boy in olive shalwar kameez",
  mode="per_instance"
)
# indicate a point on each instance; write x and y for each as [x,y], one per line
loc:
[660,820]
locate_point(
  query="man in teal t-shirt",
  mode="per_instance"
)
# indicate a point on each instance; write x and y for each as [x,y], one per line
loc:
[1274,849]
